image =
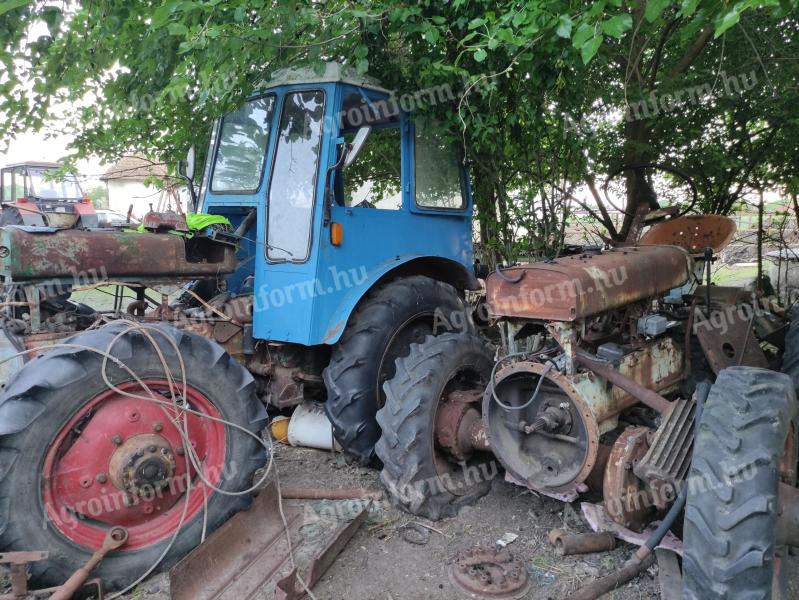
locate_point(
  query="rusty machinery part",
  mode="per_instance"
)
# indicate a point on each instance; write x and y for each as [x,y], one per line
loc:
[247,556]
[731,520]
[694,233]
[430,449]
[142,464]
[579,286]
[104,445]
[669,456]
[489,573]
[114,540]
[628,500]
[552,444]
[459,425]
[27,256]
[638,169]
[380,330]
[581,543]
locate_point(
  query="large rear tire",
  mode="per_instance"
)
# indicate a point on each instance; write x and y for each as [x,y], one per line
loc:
[422,477]
[380,330]
[60,423]
[730,514]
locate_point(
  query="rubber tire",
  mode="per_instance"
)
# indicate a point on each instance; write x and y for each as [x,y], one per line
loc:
[351,377]
[407,420]
[55,385]
[730,522]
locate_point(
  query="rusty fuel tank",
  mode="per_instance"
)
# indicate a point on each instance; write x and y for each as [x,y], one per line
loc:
[30,255]
[582,285]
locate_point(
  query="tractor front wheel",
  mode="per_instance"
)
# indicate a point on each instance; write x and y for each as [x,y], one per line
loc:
[79,456]
[427,401]
[381,330]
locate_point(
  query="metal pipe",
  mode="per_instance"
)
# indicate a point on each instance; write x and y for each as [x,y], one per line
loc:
[581,543]
[652,399]
[613,581]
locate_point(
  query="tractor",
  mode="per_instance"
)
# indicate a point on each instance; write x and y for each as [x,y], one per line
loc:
[622,374]
[32,194]
[330,229]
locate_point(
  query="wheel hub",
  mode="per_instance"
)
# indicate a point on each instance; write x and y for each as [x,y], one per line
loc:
[142,465]
[120,461]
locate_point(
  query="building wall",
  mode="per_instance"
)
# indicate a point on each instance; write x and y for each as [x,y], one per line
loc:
[124,192]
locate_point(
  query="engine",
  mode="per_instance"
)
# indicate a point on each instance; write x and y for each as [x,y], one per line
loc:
[591,338]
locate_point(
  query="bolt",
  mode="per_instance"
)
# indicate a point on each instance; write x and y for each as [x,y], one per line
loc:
[158,426]
[117,440]
[180,451]
[101,478]
[127,500]
[152,449]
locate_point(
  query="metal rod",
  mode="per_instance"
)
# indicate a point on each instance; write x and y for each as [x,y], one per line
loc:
[613,581]
[652,399]
[294,493]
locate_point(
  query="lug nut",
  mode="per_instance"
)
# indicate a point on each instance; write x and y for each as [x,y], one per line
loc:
[152,449]
[117,440]
[158,426]
[180,451]
[101,478]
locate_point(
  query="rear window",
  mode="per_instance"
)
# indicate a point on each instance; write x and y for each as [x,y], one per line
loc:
[242,147]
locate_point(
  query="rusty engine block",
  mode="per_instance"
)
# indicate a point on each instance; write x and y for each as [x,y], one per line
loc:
[586,406]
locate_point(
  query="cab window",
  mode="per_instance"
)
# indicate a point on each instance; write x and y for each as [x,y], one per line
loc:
[438,173]
[242,147]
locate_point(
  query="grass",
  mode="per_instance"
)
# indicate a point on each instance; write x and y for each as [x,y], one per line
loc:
[734,276]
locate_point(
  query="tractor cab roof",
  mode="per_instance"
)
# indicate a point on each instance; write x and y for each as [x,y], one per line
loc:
[328,73]
[35,164]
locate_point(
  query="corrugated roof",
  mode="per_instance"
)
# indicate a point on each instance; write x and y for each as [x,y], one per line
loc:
[135,167]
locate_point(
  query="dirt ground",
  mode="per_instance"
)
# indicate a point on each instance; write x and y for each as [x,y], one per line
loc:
[378,564]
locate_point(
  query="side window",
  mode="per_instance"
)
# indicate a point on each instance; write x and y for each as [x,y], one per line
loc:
[438,175]
[8,193]
[242,147]
[374,180]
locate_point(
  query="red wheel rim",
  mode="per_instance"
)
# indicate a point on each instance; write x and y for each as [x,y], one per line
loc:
[120,461]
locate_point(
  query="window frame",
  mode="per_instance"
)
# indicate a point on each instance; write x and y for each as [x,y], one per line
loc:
[217,144]
[273,161]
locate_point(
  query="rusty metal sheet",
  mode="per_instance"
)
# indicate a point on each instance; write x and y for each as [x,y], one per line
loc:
[241,556]
[582,285]
[729,341]
[694,233]
[95,255]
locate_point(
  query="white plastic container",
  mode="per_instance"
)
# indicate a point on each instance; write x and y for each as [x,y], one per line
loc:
[310,427]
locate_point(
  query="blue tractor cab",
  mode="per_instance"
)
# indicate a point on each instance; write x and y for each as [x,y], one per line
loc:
[355,237]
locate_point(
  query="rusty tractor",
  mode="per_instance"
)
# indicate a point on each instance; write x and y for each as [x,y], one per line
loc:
[597,389]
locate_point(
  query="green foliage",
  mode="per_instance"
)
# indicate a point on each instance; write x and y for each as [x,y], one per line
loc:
[150,76]
[99,196]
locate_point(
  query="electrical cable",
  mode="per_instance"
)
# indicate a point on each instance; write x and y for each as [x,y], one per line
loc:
[538,387]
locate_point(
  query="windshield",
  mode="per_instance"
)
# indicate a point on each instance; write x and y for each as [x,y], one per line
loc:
[242,147]
[45,188]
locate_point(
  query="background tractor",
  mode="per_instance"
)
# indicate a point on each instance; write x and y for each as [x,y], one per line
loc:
[332,227]
[31,194]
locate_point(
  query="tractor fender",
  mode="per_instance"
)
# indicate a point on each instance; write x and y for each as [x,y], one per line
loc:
[435,267]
